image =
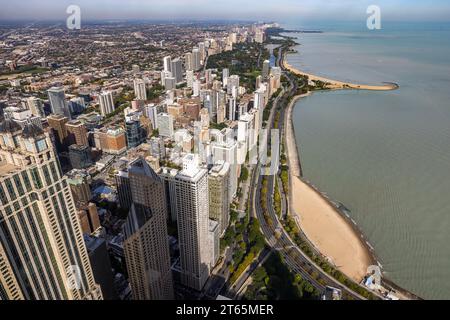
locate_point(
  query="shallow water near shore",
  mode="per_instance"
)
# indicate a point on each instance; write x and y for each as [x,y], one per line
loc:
[384,155]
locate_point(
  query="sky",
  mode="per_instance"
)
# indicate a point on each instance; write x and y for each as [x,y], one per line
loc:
[275,10]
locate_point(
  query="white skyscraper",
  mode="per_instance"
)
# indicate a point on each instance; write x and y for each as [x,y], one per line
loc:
[168,64]
[165,125]
[226,150]
[196,59]
[151,112]
[231,114]
[246,127]
[260,98]
[190,78]
[196,87]
[189,197]
[225,75]
[188,62]
[266,69]
[106,103]
[202,50]
[233,84]
[140,90]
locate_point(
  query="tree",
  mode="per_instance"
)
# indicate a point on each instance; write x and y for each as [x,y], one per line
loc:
[244,174]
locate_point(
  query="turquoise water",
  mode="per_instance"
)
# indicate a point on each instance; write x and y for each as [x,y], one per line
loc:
[385,155]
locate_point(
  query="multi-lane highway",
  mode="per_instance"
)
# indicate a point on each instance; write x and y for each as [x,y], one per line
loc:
[276,236]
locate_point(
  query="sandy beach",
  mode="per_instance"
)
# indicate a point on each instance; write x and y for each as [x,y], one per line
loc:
[322,224]
[335,84]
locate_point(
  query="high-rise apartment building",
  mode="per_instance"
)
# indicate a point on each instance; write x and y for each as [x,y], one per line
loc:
[58,124]
[80,156]
[106,103]
[78,181]
[146,244]
[225,75]
[177,70]
[167,61]
[35,106]
[58,102]
[140,89]
[196,59]
[135,132]
[42,251]
[219,205]
[190,201]
[232,84]
[165,125]
[188,62]
[266,69]
[77,133]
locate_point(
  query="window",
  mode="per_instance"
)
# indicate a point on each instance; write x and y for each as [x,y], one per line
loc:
[36,178]
[41,145]
[26,180]
[54,172]
[3,198]
[18,185]
[10,188]
[48,180]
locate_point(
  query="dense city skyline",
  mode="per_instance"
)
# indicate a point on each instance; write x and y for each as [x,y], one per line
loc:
[147,160]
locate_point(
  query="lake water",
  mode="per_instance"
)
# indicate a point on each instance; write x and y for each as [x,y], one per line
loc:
[384,155]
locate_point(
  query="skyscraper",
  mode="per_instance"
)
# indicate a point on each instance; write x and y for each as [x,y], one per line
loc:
[219,206]
[77,133]
[189,199]
[146,244]
[226,150]
[233,84]
[196,58]
[177,70]
[58,102]
[106,103]
[188,62]
[80,156]
[190,78]
[167,64]
[266,69]
[231,114]
[225,75]
[35,106]
[58,124]
[42,252]
[78,181]
[134,130]
[170,83]
[140,90]
[77,105]
[151,111]
[165,125]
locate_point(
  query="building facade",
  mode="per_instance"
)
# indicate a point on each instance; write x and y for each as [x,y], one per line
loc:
[146,244]
[41,243]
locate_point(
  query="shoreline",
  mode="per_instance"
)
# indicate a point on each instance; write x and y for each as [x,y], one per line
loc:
[323,224]
[296,174]
[338,85]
